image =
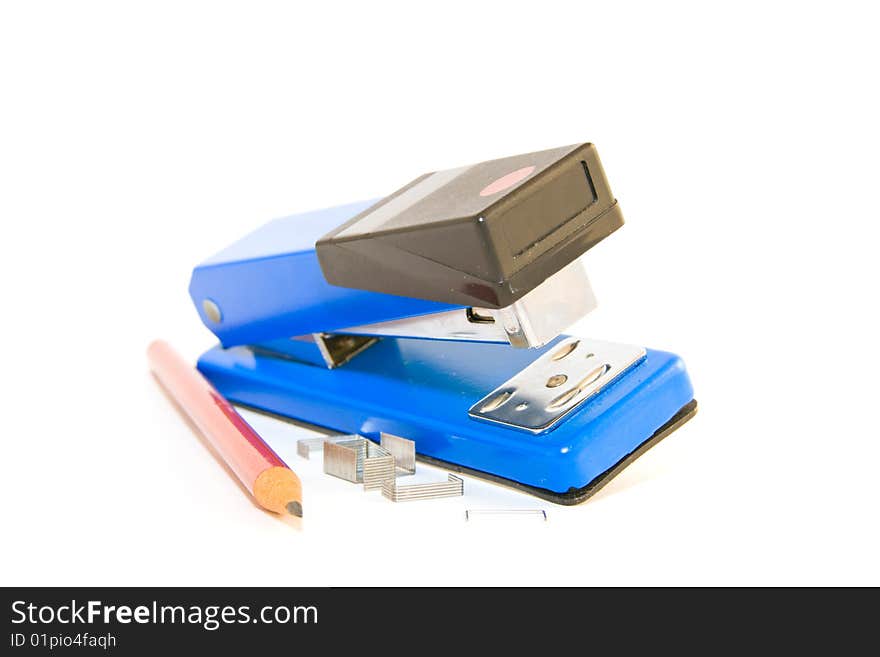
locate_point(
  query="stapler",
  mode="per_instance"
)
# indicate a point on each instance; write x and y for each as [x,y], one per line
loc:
[438,314]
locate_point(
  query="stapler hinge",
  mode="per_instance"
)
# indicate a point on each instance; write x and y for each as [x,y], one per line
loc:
[534,320]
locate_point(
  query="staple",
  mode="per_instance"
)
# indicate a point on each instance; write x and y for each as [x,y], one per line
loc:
[403,451]
[305,446]
[377,469]
[453,487]
[358,460]
[505,512]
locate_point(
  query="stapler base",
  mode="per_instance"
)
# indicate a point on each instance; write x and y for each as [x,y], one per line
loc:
[423,390]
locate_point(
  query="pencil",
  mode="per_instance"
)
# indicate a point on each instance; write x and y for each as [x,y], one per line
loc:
[273,485]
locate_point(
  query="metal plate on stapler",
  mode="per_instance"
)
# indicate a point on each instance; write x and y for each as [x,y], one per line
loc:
[558,382]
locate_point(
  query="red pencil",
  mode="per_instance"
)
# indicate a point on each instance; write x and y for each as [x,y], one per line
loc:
[274,485]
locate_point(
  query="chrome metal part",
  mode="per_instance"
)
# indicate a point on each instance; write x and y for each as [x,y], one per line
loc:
[453,487]
[212,311]
[403,451]
[533,321]
[337,349]
[448,325]
[555,384]
[545,312]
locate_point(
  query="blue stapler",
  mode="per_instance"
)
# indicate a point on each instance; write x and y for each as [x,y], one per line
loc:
[437,314]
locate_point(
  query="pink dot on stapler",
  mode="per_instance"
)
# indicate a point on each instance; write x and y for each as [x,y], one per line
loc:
[507,181]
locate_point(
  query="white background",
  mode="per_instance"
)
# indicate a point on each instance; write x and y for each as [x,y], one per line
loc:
[741,141]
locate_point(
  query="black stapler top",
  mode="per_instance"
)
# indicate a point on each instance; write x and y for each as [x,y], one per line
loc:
[480,235]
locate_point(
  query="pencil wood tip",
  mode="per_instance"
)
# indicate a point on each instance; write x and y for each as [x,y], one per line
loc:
[295,509]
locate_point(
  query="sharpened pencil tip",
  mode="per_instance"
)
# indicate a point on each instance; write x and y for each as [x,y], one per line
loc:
[295,509]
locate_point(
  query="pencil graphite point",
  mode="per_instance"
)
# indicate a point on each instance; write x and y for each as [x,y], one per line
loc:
[295,509]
